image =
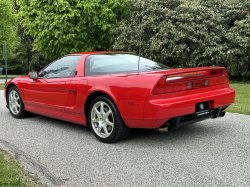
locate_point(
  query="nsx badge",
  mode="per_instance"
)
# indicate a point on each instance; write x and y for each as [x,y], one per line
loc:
[201,106]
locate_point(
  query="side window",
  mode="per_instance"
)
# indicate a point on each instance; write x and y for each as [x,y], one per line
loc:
[64,67]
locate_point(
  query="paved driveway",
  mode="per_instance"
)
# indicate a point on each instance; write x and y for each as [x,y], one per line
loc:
[4,80]
[209,153]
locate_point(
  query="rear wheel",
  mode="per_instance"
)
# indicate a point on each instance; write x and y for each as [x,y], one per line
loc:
[15,103]
[105,120]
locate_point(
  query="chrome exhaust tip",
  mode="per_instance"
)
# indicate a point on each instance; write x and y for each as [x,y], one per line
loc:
[162,129]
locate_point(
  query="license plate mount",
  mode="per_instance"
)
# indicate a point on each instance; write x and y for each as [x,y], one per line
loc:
[202,109]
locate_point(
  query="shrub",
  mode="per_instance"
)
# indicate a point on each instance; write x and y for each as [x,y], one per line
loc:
[188,33]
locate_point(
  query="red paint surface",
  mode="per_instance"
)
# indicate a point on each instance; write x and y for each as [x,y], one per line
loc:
[64,98]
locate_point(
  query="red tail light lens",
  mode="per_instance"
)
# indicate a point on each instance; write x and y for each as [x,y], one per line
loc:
[226,74]
[160,88]
[174,87]
[199,83]
[220,80]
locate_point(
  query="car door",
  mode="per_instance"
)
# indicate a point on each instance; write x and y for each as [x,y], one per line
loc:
[49,94]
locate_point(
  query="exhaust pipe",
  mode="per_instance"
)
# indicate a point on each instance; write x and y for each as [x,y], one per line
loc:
[167,127]
[222,114]
[162,129]
[219,114]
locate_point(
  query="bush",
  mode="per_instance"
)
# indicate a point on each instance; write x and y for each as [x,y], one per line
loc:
[189,33]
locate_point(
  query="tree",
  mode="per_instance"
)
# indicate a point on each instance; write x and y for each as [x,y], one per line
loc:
[192,33]
[24,58]
[68,26]
[8,26]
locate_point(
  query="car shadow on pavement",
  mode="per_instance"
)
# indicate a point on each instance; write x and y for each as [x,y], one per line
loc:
[182,134]
[191,132]
[56,122]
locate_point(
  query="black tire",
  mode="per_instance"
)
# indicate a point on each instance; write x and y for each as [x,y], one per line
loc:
[119,130]
[22,113]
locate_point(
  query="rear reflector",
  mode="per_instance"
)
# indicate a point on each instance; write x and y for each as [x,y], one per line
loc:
[134,104]
[180,82]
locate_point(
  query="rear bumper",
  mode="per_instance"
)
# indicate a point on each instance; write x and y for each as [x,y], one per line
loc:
[176,122]
[158,111]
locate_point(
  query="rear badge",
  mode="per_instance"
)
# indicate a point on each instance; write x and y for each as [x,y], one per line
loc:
[201,106]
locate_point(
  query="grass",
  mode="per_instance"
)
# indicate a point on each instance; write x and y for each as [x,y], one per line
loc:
[7,77]
[2,85]
[242,98]
[12,174]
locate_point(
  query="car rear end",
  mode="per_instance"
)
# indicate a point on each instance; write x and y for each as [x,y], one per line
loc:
[186,96]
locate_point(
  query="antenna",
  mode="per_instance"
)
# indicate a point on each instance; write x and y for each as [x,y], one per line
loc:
[140,41]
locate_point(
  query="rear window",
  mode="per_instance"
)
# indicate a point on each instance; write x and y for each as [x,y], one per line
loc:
[113,63]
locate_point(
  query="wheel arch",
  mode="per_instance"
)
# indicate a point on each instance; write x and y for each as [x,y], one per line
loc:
[8,88]
[89,100]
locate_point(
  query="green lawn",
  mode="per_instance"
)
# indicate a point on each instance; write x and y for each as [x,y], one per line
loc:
[11,173]
[242,98]
[2,85]
[7,77]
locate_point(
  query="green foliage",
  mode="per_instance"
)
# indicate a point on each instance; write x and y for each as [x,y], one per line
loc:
[69,26]
[8,23]
[24,58]
[189,33]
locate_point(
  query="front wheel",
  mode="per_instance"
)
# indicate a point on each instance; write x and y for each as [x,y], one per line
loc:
[15,103]
[105,120]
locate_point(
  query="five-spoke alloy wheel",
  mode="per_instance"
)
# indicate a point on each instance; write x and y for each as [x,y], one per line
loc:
[15,103]
[105,120]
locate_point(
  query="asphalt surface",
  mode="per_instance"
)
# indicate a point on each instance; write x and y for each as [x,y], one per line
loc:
[209,153]
[4,80]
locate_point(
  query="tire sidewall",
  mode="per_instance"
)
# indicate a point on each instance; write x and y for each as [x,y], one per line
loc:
[115,113]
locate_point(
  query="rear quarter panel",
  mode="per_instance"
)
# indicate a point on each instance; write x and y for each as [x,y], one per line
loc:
[125,89]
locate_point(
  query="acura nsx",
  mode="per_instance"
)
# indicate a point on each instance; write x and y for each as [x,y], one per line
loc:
[112,92]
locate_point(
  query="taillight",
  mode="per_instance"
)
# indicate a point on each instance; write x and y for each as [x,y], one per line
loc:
[160,88]
[174,83]
[220,80]
[226,74]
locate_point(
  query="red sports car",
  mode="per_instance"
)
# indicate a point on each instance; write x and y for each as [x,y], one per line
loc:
[109,93]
